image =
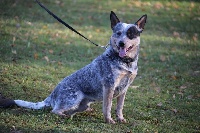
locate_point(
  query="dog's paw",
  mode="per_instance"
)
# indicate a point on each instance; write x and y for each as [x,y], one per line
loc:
[110,121]
[89,110]
[121,120]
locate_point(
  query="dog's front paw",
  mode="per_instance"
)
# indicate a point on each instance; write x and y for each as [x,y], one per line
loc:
[121,120]
[110,121]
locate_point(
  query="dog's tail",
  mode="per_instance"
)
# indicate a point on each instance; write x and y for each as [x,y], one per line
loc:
[31,105]
[5,103]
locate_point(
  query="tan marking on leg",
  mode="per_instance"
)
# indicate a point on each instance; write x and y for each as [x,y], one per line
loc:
[120,104]
[107,104]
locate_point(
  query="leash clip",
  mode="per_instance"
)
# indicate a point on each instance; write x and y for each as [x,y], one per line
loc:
[105,47]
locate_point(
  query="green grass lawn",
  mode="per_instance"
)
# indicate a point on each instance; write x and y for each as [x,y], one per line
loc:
[36,52]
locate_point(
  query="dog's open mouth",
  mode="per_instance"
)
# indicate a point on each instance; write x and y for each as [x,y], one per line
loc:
[123,51]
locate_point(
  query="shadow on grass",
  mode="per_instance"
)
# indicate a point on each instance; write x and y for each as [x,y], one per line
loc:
[28,129]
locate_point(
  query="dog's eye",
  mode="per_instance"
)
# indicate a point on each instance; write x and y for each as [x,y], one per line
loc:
[119,33]
[132,33]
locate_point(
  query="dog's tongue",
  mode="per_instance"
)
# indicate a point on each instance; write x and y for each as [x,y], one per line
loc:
[122,52]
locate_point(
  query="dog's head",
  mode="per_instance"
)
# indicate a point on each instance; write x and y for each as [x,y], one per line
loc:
[126,37]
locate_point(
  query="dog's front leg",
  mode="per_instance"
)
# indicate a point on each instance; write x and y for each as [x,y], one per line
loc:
[107,104]
[120,104]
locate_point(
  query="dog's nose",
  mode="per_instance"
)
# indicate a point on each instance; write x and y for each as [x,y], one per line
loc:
[121,44]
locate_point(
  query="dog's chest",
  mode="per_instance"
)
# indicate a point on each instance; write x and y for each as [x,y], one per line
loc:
[123,78]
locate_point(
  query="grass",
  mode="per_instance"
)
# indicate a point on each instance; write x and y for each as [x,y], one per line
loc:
[36,52]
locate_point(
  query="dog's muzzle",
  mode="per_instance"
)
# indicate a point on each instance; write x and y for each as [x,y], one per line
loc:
[123,50]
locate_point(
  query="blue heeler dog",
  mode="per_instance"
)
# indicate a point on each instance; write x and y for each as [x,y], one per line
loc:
[107,77]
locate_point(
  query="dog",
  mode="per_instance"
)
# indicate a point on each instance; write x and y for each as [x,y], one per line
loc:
[106,77]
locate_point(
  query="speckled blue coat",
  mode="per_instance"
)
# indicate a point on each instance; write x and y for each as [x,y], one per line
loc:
[107,71]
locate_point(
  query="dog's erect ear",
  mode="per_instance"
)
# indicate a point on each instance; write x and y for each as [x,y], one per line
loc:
[113,19]
[141,22]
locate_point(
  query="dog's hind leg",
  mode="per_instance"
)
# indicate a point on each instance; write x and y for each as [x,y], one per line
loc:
[83,106]
[67,102]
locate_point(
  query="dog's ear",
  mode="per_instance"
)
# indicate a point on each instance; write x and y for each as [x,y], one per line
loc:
[141,22]
[113,19]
